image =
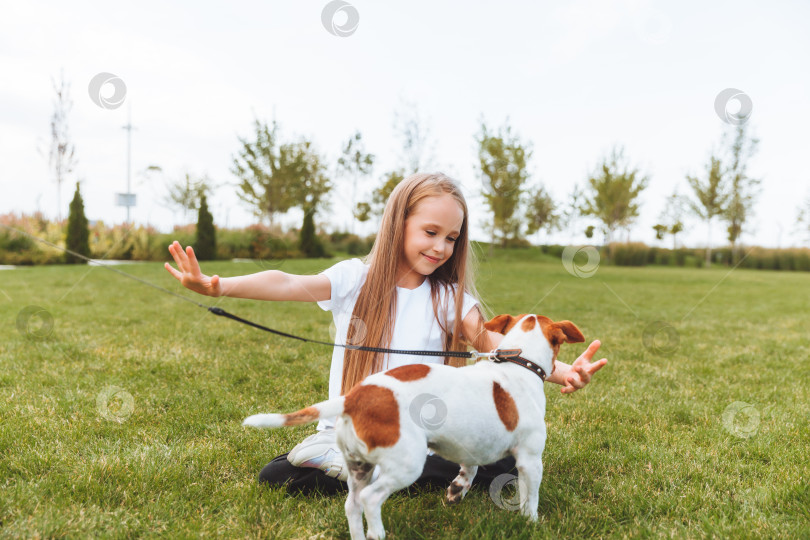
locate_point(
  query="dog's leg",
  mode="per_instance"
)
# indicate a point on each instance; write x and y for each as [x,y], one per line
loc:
[392,476]
[461,484]
[359,478]
[530,474]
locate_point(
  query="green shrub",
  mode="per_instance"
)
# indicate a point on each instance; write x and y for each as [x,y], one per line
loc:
[77,232]
[205,243]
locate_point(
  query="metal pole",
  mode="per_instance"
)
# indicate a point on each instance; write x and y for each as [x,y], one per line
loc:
[128,127]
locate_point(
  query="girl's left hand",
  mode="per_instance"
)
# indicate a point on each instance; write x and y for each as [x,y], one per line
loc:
[582,369]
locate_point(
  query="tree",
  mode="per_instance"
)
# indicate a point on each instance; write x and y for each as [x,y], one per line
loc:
[352,164]
[541,213]
[309,243]
[710,197]
[205,245]
[572,210]
[416,145]
[307,180]
[614,188]
[502,158]
[61,157]
[78,233]
[186,193]
[671,217]
[263,168]
[379,196]
[660,230]
[742,189]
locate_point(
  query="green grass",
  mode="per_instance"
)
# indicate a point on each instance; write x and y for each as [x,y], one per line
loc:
[642,452]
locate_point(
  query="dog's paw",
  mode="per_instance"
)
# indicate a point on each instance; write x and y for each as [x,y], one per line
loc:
[455,493]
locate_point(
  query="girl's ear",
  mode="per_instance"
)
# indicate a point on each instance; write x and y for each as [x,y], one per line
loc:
[502,323]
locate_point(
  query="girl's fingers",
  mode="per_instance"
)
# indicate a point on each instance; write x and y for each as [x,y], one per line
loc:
[584,376]
[172,271]
[182,260]
[591,350]
[194,266]
[181,255]
[175,256]
[596,366]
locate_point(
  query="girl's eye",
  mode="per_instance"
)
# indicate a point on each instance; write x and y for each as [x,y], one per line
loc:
[431,233]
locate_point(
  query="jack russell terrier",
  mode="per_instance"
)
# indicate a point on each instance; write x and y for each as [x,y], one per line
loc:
[493,409]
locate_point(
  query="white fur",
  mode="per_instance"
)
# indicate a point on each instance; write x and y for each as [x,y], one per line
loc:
[470,433]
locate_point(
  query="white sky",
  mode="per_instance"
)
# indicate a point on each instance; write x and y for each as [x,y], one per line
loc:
[574,78]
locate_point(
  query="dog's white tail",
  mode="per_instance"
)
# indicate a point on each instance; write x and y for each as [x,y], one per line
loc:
[332,407]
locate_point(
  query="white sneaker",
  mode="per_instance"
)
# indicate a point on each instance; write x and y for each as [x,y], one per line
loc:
[320,451]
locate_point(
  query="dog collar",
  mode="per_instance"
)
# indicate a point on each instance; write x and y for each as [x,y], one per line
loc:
[513,355]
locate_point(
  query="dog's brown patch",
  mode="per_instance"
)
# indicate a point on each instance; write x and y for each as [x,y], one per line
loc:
[374,413]
[505,405]
[528,324]
[304,416]
[412,372]
[502,323]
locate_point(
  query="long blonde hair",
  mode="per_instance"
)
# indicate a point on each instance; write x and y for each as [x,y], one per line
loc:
[376,304]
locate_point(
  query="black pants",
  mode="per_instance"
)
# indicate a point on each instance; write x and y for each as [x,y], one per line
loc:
[438,472]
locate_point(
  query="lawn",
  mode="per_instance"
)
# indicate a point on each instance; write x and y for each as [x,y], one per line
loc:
[124,418]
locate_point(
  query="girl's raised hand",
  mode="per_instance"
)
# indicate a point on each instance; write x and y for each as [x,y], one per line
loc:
[582,369]
[189,274]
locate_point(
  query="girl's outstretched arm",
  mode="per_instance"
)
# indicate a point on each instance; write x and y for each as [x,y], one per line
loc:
[267,285]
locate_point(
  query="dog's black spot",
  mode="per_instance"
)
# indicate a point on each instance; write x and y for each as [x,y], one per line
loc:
[455,489]
[360,469]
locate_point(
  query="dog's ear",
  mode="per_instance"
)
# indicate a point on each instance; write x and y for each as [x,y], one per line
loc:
[499,323]
[570,331]
[503,323]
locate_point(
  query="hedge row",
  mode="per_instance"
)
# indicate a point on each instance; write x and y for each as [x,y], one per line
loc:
[638,254]
[121,242]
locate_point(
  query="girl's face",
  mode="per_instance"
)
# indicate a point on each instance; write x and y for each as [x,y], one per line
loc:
[431,232]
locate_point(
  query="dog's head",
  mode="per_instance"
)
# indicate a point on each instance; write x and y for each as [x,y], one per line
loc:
[537,336]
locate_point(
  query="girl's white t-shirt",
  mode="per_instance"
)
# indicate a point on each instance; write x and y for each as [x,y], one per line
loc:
[415,327]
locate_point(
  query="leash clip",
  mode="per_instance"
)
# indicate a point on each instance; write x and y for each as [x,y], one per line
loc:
[475,356]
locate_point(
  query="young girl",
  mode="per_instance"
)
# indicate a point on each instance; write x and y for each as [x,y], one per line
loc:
[414,290]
